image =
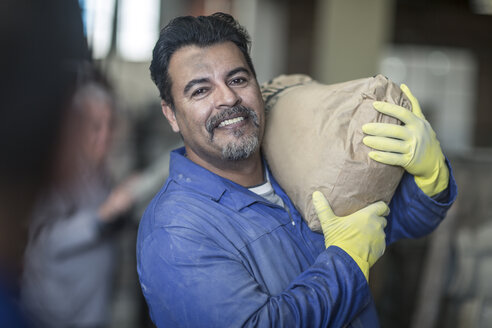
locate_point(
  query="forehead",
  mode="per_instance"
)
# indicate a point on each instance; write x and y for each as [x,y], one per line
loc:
[191,62]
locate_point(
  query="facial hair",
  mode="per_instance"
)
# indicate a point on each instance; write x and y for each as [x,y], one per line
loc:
[245,145]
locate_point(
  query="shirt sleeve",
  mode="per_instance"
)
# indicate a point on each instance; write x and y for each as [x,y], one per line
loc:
[189,281]
[413,213]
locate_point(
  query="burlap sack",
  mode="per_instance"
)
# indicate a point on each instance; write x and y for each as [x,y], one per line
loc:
[313,141]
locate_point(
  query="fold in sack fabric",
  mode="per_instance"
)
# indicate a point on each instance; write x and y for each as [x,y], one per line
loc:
[313,141]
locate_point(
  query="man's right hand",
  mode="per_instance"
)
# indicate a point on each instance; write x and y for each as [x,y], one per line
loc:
[361,234]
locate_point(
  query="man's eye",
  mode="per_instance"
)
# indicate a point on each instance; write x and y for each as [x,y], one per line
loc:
[198,92]
[238,81]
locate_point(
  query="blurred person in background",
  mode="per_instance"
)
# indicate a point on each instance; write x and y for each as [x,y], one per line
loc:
[39,38]
[70,259]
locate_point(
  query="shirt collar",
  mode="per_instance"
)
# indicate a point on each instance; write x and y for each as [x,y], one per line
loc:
[193,176]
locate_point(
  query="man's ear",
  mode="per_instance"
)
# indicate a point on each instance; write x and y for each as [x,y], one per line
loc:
[170,115]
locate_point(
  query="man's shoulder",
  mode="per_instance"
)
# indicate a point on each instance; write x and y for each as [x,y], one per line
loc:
[181,203]
[177,211]
[174,199]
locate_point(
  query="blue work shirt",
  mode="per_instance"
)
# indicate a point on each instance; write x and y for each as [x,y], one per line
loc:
[211,253]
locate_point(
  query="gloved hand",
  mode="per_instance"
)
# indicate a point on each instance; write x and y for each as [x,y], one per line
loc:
[413,146]
[361,234]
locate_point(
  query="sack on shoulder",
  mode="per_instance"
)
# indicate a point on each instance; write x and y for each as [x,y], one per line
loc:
[313,141]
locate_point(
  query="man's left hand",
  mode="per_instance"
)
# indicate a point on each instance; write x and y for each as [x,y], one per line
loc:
[413,146]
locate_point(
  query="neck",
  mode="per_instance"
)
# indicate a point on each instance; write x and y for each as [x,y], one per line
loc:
[247,172]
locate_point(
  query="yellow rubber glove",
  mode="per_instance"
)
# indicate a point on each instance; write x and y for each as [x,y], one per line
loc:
[413,146]
[361,234]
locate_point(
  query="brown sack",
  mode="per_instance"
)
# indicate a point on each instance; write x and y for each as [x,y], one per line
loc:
[313,141]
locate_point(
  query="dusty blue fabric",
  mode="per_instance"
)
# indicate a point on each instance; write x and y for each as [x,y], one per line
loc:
[213,254]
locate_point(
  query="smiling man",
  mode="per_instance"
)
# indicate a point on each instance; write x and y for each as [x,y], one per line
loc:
[221,244]
[218,109]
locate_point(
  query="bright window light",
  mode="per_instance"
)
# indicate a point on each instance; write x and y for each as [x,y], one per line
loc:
[98,22]
[138,28]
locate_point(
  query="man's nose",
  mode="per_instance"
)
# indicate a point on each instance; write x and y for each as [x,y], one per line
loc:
[226,97]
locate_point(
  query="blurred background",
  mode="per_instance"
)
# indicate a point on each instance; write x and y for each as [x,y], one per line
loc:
[442,49]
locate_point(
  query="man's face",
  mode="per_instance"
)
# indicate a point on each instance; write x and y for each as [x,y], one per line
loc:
[219,109]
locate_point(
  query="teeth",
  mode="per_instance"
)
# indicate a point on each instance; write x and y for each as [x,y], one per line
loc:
[231,121]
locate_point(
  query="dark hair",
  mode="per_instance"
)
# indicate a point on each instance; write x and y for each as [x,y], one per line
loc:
[91,85]
[201,31]
[88,73]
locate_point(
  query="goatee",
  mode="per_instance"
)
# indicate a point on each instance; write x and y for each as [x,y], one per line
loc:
[245,145]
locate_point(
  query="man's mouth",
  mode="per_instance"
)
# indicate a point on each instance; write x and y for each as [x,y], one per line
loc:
[233,115]
[231,121]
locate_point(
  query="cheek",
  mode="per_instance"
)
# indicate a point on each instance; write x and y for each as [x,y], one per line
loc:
[191,122]
[199,112]
[255,98]
[259,107]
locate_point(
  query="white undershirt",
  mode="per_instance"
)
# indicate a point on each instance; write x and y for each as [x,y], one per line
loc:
[266,191]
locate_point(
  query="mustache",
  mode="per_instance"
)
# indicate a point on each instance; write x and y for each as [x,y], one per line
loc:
[234,111]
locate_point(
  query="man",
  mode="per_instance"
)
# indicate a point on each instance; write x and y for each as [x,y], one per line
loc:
[221,245]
